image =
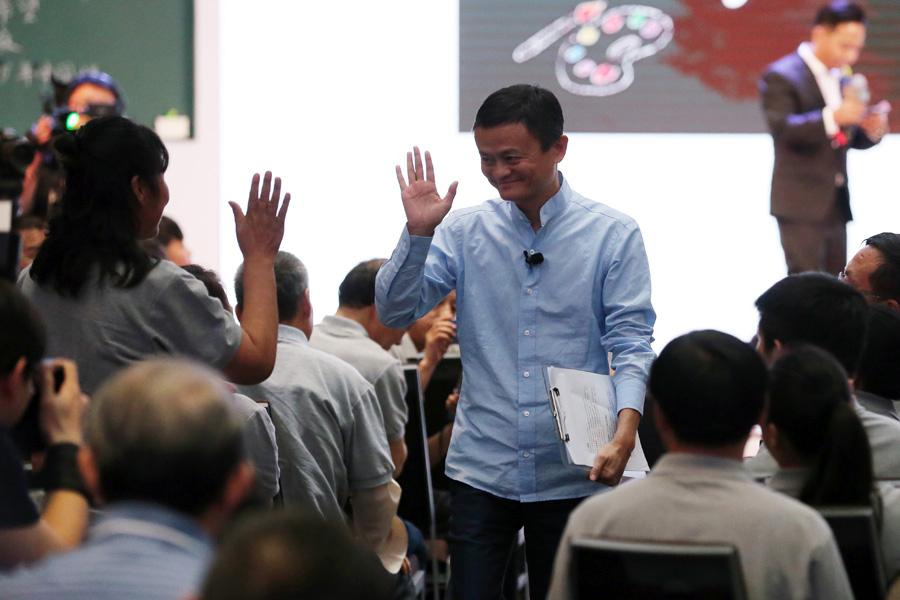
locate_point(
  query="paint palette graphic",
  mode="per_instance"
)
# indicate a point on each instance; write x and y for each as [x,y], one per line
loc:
[600,45]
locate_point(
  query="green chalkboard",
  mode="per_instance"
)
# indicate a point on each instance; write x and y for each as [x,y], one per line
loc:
[146,45]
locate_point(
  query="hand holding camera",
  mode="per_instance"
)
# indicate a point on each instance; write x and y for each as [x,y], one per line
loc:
[62,402]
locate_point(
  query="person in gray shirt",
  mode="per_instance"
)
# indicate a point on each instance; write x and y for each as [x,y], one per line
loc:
[818,309]
[356,335]
[322,404]
[709,390]
[106,303]
[821,446]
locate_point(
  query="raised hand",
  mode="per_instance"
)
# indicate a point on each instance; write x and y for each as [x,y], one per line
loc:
[260,231]
[424,207]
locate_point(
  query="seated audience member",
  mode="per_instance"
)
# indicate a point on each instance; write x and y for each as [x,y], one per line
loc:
[286,555]
[25,535]
[429,338]
[877,381]
[709,390]
[259,432]
[818,309]
[171,239]
[163,455]
[322,404]
[875,270]
[356,335]
[820,445]
[106,303]
[32,231]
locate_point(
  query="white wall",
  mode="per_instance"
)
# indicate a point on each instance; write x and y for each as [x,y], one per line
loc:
[194,169]
[332,100]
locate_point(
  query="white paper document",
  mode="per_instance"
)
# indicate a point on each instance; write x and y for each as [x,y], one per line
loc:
[584,405]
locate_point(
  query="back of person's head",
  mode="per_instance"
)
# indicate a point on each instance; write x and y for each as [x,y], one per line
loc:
[532,106]
[710,387]
[163,431]
[168,231]
[97,223]
[885,279]
[291,282]
[358,287]
[879,368]
[287,555]
[840,11]
[811,406]
[210,279]
[818,309]
[22,332]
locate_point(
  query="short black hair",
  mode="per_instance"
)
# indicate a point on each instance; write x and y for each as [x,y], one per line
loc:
[210,279]
[840,11]
[710,386]
[885,279]
[291,280]
[22,331]
[168,231]
[358,287]
[879,368]
[818,309]
[534,107]
[288,554]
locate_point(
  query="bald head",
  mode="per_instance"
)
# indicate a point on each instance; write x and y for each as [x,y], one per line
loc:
[163,431]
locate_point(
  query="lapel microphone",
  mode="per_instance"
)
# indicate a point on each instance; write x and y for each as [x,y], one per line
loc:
[532,258]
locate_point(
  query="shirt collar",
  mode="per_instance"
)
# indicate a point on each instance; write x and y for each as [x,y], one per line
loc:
[146,519]
[815,65]
[675,464]
[789,481]
[553,206]
[289,334]
[343,327]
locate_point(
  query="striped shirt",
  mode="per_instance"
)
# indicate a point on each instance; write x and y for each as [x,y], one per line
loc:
[135,550]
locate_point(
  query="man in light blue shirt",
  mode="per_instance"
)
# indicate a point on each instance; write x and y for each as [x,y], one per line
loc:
[164,456]
[544,277]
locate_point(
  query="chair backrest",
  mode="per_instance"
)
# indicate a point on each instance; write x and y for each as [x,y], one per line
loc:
[860,547]
[655,571]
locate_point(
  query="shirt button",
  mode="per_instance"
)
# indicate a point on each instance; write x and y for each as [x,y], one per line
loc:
[527,332]
[526,454]
[526,374]
[527,413]
[529,291]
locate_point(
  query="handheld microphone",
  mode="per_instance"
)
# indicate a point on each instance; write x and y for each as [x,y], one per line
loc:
[532,258]
[858,85]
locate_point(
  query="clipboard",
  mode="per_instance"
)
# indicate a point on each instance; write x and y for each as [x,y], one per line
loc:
[583,405]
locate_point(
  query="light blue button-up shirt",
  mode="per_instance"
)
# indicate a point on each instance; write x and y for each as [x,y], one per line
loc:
[590,296]
[135,550]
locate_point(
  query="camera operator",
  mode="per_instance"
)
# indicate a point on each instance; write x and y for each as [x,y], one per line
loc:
[26,536]
[88,95]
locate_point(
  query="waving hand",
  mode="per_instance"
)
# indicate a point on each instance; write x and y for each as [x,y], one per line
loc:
[424,207]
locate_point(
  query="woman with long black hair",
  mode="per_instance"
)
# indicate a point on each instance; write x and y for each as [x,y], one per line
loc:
[820,445]
[107,303]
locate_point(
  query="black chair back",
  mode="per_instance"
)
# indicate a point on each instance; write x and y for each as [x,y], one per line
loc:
[860,547]
[655,571]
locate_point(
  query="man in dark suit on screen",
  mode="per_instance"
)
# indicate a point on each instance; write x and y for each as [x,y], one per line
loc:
[815,111]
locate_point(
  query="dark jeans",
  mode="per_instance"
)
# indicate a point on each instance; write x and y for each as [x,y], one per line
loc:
[483,534]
